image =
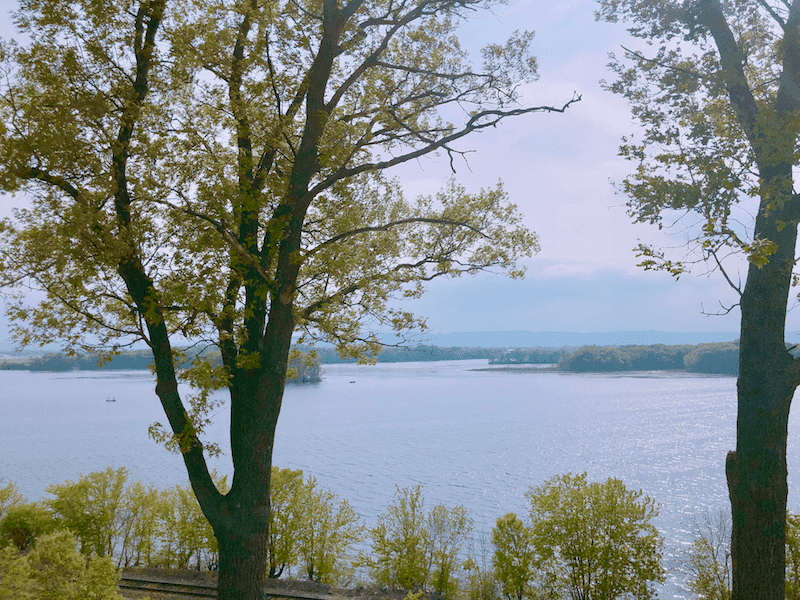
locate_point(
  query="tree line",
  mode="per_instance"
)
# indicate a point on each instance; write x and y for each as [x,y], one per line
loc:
[304,366]
[720,358]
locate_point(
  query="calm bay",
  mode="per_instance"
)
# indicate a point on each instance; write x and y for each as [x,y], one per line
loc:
[474,437]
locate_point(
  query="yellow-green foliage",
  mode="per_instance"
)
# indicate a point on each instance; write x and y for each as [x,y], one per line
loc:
[24,522]
[55,570]
[415,550]
[514,558]
[595,540]
[92,509]
[284,520]
[310,528]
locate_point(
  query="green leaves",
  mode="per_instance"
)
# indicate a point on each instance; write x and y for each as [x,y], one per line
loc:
[310,528]
[596,539]
[412,550]
[55,570]
[515,561]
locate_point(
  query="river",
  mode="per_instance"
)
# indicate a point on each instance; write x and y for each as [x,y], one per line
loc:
[473,437]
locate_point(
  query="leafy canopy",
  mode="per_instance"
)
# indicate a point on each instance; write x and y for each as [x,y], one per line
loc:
[196,170]
[709,94]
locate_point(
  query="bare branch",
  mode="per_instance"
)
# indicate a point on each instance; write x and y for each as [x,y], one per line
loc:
[778,19]
[474,124]
[388,226]
[725,310]
[724,273]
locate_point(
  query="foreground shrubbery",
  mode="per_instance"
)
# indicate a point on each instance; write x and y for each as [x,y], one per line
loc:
[579,540]
[55,570]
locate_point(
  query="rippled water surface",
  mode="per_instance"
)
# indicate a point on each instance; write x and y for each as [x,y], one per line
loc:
[477,438]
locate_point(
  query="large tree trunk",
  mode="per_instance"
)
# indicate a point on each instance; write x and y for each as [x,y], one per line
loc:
[756,471]
[242,559]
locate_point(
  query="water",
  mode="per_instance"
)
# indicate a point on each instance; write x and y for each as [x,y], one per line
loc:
[476,438]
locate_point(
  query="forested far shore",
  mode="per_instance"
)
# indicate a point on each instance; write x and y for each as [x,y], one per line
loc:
[305,367]
[302,368]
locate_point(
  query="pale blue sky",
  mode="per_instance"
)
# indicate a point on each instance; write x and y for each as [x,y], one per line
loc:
[558,169]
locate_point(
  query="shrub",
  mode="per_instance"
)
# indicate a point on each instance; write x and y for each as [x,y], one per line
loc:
[24,523]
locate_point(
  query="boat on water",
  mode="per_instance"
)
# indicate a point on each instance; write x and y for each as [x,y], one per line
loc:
[111,399]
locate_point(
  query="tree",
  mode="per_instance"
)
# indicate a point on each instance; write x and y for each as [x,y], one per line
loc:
[55,570]
[596,539]
[213,172]
[285,515]
[329,528]
[399,543]
[717,99]
[9,497]
[448,529]
[24,523]
[515,559]
[92,509]
[709,560]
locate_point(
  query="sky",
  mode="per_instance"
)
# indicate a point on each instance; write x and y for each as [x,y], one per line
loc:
[559,169]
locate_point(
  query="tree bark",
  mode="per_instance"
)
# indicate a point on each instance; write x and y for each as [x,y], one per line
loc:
[242,556]
[756,471]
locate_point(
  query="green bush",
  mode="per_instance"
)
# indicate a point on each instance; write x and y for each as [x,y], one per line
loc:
[55,570]
[595,540]
[24,523]
[92,508]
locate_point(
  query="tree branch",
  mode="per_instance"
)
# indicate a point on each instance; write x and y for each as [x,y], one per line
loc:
[388,226]
[778,19]
[473,124]
[732,61]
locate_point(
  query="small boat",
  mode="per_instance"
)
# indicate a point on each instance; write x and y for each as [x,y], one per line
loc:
[111,399]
